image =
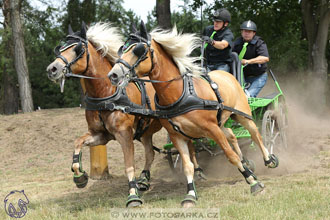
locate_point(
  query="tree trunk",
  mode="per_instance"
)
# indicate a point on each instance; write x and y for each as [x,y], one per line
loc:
[320,64]
[20,58]
[10,98]
[316,16]
[163,13]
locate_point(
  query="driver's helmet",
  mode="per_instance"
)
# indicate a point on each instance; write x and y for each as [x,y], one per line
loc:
[249,25]
[222,15]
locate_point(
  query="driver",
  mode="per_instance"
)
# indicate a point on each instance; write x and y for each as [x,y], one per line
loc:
[253,51]
[218,38]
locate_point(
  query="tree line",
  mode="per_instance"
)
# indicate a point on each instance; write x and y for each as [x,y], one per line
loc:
[296,32]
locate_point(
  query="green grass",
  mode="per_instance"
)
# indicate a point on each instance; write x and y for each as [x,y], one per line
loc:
[297,196]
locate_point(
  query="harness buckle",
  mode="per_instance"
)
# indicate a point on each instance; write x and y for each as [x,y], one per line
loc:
[214,85]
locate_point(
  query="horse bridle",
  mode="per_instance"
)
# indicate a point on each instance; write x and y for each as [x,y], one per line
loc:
[67,68]
[68,71]
[132,74]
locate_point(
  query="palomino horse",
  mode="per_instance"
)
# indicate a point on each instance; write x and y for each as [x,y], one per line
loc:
[91,60]
[188,105]
[91,55]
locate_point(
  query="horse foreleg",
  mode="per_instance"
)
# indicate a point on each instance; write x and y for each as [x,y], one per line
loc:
[144,178]
[80,176]
[270,159]
[188,168]
[216,134]
[125,139]
[233,140]
[197,169]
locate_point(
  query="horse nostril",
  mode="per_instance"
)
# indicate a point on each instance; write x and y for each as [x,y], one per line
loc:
[114,76]
[54,69]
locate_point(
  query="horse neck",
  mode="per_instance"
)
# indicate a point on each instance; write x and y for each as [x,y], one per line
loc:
[165,69]
[98,67]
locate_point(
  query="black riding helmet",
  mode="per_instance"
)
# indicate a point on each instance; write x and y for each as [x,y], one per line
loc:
[222,15]
[249,25]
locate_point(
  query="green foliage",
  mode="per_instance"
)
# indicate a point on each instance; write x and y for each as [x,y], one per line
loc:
[279,24]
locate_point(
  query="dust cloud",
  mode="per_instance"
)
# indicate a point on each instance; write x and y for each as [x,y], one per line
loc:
[308,133]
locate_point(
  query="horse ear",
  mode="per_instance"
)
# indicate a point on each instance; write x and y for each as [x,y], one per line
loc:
[143,30]
[133,28]
[70,30]
[83,30]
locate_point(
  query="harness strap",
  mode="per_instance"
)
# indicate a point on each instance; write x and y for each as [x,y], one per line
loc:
[177,129]
[215,89]
[237,112]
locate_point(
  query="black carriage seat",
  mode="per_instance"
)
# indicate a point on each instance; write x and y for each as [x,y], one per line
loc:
[235,67]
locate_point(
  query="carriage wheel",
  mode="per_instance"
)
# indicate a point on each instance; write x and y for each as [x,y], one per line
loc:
[283,123]
[270,130]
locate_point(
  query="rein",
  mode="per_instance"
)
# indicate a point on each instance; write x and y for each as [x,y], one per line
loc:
[136,79]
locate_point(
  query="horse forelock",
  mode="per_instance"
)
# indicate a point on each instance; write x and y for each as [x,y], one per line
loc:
[106,39]
[179,46]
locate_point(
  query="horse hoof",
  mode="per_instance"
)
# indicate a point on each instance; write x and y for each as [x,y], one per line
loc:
[189,201]
[200,175]
[143,185]
[273,161]
[257,188]
[188,204]
[133,201]
[134,204]
[81,180]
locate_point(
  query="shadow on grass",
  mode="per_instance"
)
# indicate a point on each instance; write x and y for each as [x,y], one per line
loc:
[112,193]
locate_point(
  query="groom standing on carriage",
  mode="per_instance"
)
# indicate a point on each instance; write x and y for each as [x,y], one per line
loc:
[218,40]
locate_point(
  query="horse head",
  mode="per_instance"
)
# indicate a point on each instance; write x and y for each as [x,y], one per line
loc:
[71,57]
[136,58]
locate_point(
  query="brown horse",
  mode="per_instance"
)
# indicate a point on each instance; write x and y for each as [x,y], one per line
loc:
[164,58]
[92,54]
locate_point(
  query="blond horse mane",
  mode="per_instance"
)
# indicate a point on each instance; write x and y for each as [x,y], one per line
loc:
[105,39]
[179,46]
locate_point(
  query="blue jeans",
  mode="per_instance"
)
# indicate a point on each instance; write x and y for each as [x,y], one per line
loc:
[224,67]
[256,83]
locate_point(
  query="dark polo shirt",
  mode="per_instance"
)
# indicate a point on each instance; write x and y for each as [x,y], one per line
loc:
[214,55]
[256,47]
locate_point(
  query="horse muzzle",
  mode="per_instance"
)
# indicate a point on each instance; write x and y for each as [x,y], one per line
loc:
[55,72]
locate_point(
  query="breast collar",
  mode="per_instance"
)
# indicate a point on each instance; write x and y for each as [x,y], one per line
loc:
[120,101]
[188,101]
